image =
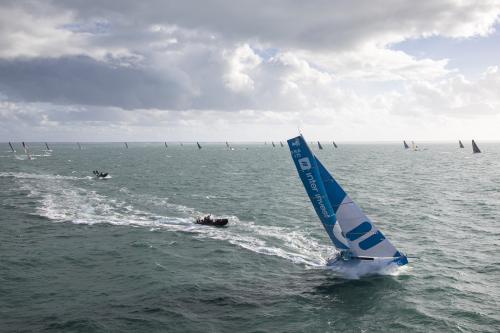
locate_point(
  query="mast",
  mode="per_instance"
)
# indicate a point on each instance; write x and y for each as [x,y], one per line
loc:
[475,148]
[12,148]
[460,144]
[405,144]
[320,146]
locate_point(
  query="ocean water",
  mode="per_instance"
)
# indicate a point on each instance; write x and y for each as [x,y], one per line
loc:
[79,254]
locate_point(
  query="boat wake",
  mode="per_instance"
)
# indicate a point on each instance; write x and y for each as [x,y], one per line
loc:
[60,199]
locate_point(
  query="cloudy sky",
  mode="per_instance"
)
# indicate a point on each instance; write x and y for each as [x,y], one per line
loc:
[247,70]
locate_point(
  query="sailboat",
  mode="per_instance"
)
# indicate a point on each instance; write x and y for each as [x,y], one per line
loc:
[26,151]
[405,145]
[126,145]
[334,144]
[414,147]
[460,144]
[12,148]
[228,146]
[281,143]
[320,146]
[47,146]
[273,144]
[475,148]
[166,146]
[79,145]
[199,146]
[353,234]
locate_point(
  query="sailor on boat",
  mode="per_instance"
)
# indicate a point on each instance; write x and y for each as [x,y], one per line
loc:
[99,174]
[209,220]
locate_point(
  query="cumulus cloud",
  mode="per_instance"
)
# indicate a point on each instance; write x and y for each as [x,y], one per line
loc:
[453,96]
[133,63]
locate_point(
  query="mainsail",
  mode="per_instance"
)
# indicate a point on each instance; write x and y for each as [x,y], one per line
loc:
[475,148]
[26,150]
[334,144]
[346,224]
[199,146]
[460,144]
[405,144]
[12,148]
[320,146]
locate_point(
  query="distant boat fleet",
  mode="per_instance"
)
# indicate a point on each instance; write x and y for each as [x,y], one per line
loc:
[412,146]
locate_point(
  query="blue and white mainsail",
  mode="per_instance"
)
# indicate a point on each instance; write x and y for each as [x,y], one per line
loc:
[346,224]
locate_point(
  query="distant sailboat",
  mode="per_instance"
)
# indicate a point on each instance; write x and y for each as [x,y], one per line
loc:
[199,146]
[166,146]
[460,144]
[47,146]
[350,230]
[281,143]
[273,144]
[12,148]
[405,145]
[26,150]
[79,145]
[126,145]
[414,146]
[334,144]
[475,148]
[320,146]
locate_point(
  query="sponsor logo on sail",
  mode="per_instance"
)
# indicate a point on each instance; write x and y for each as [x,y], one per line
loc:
[305,163]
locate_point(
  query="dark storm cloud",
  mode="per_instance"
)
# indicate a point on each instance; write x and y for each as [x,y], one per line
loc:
[83,80]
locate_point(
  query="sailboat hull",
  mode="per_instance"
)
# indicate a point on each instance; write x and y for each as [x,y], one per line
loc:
[354,268]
